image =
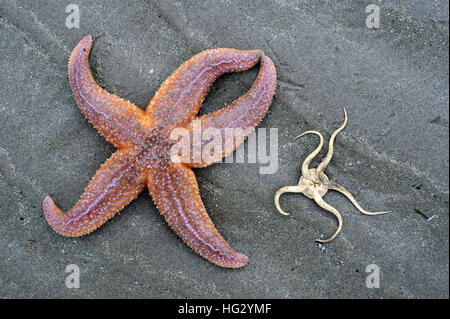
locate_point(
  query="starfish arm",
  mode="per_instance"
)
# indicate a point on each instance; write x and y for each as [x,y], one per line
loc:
[327,158]
[179,98]
[308,159]
[319,200]
[236,121]
[116,183]
[175,192]
[344,191]
[115,118]
[281,191]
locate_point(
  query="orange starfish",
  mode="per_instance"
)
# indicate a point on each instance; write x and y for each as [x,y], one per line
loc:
[143,146]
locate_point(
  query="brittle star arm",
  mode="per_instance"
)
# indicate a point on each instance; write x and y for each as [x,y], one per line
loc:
[118,181]
[329,155]
[308,159]
[319,200]
[344,191]
[174,190]
[179,98]
[239,118]
[115,118]
[286,189]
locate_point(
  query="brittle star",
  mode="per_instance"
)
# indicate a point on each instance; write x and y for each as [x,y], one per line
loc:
[314,183]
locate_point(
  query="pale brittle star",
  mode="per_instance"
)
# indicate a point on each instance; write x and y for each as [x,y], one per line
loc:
[314,183]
